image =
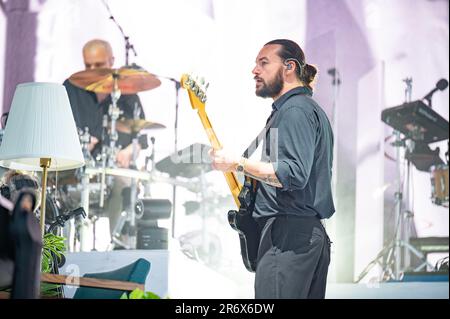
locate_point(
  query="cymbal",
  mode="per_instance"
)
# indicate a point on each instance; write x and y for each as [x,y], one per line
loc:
[131,80]
[191,162]
[133,126]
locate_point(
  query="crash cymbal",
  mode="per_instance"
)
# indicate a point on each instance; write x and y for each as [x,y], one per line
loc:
[130,80]
[133,126]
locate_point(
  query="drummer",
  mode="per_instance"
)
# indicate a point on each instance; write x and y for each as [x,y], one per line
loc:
[88,109]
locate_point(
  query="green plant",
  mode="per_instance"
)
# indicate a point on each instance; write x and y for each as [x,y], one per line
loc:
[139,294]
[55,245]
[51,244]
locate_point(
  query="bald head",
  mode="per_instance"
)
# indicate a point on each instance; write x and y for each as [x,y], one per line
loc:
[97,54]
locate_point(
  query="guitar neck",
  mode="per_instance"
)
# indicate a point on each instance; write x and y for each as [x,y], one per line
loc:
[232,181]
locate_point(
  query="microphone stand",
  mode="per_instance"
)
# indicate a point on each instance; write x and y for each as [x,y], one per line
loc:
[429,102]
[441,85]
[174,187]
[336,82]
[128,45]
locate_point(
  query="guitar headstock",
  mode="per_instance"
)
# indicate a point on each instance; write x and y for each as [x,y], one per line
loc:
[196,89]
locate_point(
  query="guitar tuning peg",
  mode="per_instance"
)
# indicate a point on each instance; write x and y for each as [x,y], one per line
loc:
[203,99]
[206,86]
[202,81]
[200,95]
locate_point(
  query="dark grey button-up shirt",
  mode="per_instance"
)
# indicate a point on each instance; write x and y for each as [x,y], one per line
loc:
[300,146]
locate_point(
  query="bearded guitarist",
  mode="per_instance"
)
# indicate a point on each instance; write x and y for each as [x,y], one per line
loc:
[293,192]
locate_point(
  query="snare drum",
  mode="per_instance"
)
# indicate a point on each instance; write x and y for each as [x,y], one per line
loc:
[439,184]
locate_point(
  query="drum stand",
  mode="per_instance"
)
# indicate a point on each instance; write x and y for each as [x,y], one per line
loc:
[132,231]
[147,188]
[403,224]
[114,113]
[83,225]
[390,257]
[128,214]
[108,160]
[392,268]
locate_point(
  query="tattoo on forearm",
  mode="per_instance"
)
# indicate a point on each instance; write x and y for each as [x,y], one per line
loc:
[273,180]
[268,179]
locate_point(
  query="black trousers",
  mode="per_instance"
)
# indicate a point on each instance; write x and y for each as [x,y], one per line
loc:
[293,258]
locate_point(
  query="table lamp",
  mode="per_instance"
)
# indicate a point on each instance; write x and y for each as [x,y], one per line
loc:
[40,133]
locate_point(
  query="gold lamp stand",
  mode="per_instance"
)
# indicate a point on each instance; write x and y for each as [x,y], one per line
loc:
[45,164]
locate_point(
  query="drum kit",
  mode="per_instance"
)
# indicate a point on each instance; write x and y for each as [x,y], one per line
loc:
[89,186]
[439,185]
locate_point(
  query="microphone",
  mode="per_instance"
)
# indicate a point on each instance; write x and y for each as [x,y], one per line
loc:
[441,85]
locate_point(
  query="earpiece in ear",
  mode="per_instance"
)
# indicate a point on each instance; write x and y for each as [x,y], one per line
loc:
[289,66]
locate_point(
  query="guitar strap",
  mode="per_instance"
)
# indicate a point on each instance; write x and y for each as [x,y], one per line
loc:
[252,148]
[255,143]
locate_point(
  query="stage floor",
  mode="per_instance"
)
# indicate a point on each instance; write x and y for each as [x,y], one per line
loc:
[177,276]
[398,290]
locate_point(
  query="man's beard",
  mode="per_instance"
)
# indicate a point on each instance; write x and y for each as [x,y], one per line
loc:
[273,88]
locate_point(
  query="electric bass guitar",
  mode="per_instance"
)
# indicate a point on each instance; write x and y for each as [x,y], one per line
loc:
[241,219]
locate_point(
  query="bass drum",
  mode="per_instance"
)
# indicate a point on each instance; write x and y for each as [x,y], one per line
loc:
[439,185]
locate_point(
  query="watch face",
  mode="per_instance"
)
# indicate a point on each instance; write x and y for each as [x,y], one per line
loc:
[240,168]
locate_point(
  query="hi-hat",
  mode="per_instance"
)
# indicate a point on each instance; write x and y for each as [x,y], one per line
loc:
[133,126]
[130,80]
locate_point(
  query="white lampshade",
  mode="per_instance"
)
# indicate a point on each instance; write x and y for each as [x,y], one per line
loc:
[40,125]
